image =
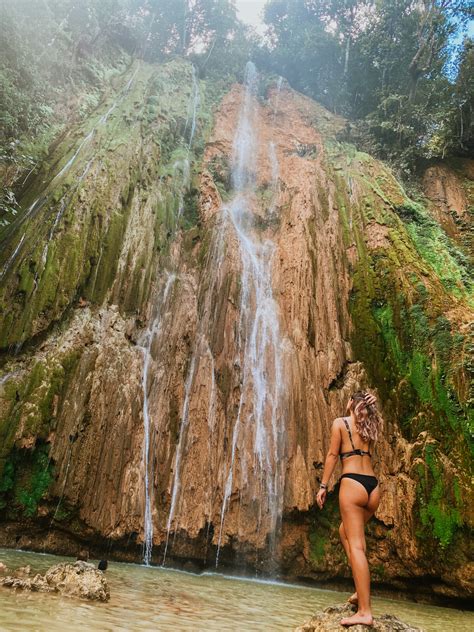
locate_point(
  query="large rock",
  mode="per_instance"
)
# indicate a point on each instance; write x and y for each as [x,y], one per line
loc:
[81,580]
[329,619]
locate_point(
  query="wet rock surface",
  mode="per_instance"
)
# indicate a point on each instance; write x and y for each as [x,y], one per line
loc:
[330,617]
[81,580]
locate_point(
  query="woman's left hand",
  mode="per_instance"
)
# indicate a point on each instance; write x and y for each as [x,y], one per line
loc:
[321,497]
[370,399]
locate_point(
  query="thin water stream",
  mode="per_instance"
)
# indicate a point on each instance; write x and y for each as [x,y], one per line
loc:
[261,410]
[151,598]
[45,196]
[150,335]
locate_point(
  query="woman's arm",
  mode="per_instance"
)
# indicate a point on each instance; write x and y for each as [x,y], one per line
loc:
[330,463]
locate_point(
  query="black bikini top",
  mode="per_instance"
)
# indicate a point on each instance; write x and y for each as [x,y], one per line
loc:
[355,450]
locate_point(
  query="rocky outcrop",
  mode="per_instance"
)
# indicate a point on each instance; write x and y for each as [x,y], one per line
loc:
[123,335]
[448,187]
[329,618]
[81,580]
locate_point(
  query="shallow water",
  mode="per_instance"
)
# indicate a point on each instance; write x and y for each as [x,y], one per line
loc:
[146,598]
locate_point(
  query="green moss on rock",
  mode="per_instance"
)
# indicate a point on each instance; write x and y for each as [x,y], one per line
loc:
[33,402]
[439,499]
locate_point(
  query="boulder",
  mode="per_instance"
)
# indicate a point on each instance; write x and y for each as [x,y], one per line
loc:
[329,619]
[80,579]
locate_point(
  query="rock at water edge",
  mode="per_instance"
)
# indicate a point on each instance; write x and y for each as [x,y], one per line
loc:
[329,618]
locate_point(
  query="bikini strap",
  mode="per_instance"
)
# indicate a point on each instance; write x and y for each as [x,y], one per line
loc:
[349,431]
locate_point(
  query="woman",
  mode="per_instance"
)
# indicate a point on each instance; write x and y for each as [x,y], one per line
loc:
[359,494]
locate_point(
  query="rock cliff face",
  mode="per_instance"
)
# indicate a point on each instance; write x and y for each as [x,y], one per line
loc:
[194,287]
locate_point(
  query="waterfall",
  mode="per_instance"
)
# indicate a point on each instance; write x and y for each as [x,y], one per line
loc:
[7,376]
[259,352]
[149,336]
[260,413]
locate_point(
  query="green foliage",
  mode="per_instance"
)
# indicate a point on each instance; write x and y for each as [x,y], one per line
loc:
[436,248]
[421,353]
[6,482]
[386,65]
[32,401]
[408,346]
[26,478]
[439,501]
[57,60]
[318,542]
[8,206]
[413,355]
[453,128]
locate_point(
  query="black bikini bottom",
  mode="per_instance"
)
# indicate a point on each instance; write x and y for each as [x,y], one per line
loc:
[369,482]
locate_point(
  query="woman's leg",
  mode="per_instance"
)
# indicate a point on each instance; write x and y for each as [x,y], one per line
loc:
[353,505]
[368,513]
[345,541]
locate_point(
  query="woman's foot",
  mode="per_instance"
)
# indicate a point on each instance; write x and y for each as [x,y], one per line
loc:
[353,599]
[358,617]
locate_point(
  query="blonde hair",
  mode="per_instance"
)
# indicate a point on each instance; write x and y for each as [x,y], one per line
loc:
[368,421]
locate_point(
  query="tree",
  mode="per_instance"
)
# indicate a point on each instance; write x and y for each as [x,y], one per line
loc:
[382,63]
[303,49]
[183,26]
[436,22]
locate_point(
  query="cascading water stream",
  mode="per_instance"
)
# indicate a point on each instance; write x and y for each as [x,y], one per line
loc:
[179,451]
[40,201]
[201,349]
[71,160]
[149,336]
[7,377]
[260,413]
[185,166]
[62,207]
[12,257]
[275,176]
[275,167]
[259,341]
[196,102]
[277,97]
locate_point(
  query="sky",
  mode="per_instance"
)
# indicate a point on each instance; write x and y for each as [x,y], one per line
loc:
[250,12]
